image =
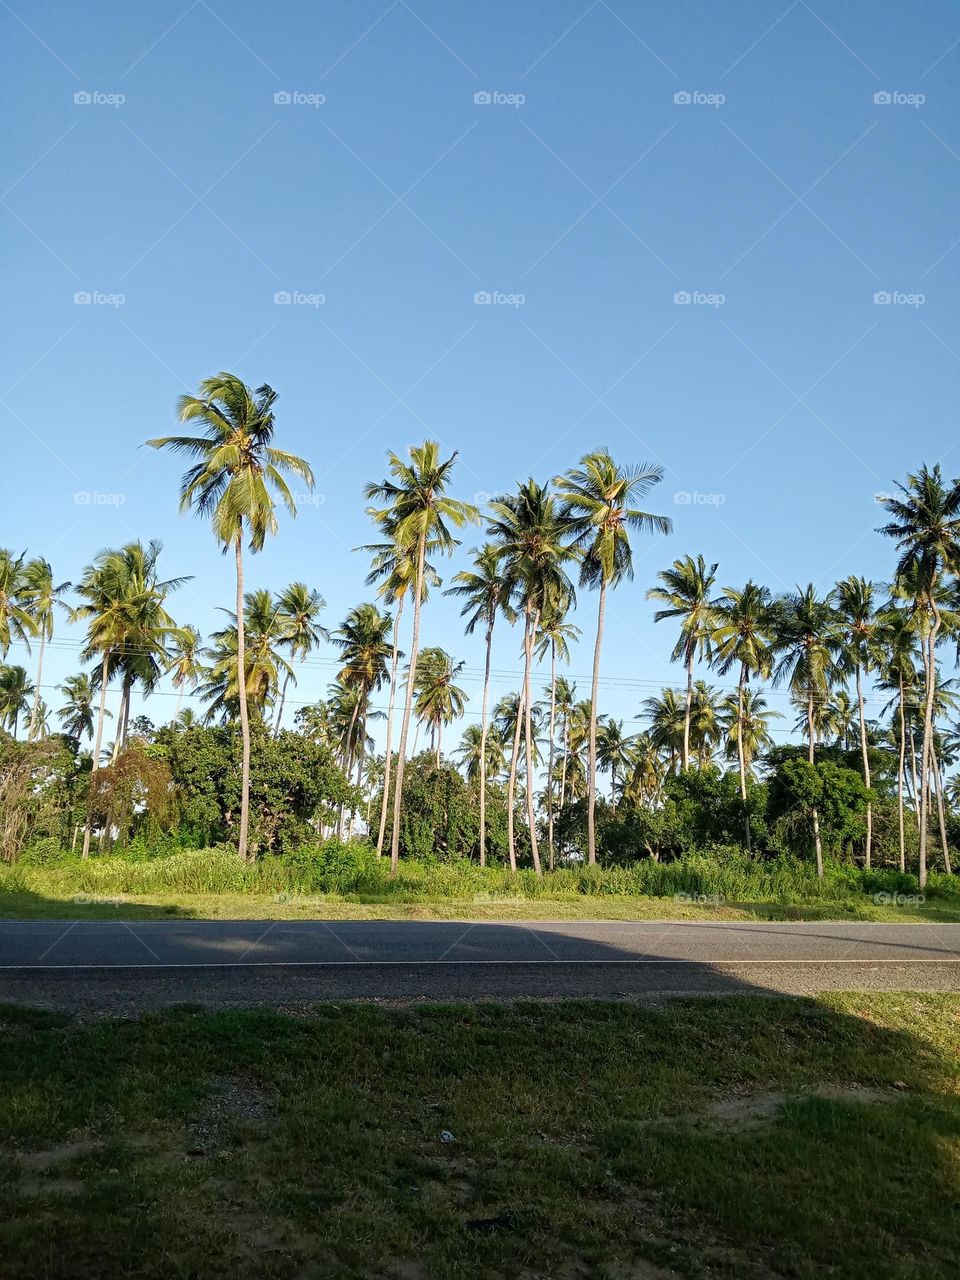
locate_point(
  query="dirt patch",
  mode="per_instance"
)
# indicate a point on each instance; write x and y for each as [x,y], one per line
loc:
[232,1099]
[756,1109]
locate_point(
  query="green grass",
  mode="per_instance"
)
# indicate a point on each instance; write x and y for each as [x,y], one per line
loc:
[745,1137]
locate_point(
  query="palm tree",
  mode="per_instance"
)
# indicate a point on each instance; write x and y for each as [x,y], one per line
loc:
[555,635]
[745,725]
[41,594]
[896,641]
[808,641]
[564,695]
[666,717]
[77,715]
[531,537]
[364,641]
[231,483]
[705,725]
[744,627]
[417,513]
[264,665]
[184,663]
[485,594]
[508,718]
[299,609]
[16,620]
[477,747]
[925,523]
[644,770]
[685,590]
[439,701]
[599,496]
[613,753]
[16,689]
[858,614]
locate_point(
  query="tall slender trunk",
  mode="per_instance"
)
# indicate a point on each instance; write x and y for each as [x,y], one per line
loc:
[915,791]
[551,855]
[566,754]
[900,773]
[592,758]
[244,711]
[931,673]
[741,755]
[688,706]
[531,630]
[408,706]
[512,783]
[483,744]
[811,756]
[283,698]
[96,749]
[347,766]
[176,714]
[35,711]
[938,780]
[394,662]
[866,767]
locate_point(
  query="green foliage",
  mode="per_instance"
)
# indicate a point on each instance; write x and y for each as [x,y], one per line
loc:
[40,788]
[836,792]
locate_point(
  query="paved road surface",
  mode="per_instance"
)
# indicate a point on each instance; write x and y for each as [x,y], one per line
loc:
[123,966]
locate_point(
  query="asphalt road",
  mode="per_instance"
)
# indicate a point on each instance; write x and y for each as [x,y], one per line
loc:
[119,966]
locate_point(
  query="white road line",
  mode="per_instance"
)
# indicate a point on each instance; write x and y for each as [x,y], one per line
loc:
[415,964]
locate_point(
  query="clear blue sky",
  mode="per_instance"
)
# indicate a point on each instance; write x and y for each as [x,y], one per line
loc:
[598,198]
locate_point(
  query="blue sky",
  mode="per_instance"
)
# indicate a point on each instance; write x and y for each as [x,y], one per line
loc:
[782,197]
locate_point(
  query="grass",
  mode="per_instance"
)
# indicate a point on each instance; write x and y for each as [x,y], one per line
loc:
[731,1139]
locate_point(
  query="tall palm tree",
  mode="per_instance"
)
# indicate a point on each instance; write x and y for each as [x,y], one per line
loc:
[16,689]
[299,608]
[613,753]
[807,642]
[439,700]
[706,730]
[485,594]
[264,664]
[554,635]
[482,754]
[744,629]
[532,538]
[745,723]
[230,483]
[185,661]
[925,523]
[364,641]
[685,590]
[599,495]
[644,770]
[565,696]
[857,608]
[417,512]
[896,642]
[41,594]
[508,719]
[77,714]
[16,620]
[665,715]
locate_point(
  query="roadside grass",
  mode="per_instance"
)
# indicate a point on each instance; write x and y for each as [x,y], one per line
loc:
[746,1138]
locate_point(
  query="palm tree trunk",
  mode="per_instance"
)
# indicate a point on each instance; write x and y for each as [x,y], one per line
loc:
[550,758]
[532,621]
[512,784]
[687,709]
[592,758]
[244,711]
[176,714]
[938,780]
[866,768]
[347,766]
[741,755]
[930,664]
[35,711]
[96,750]
[811,756]
[283,698]
[900,775]
[566,753]
[408,706]
[914,792]
[483,745]
[394,662]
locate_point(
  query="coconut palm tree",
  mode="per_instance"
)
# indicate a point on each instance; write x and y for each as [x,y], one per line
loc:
[485,594]
[807,642]
[264,664]
[554,635]
[439,700]
[856,605]
[41,594]
[685,590]
[896,649]
[705,728]
[745,725]
[299,608]
[644,770]
[236,473]
[184,661]
[599,497]
[665,715]
[477,746]
[925,524]
[77,714]
[613,753]
[565,696]
[364,641]
[417,513]
[532,538]
[16,619]
[16,689]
